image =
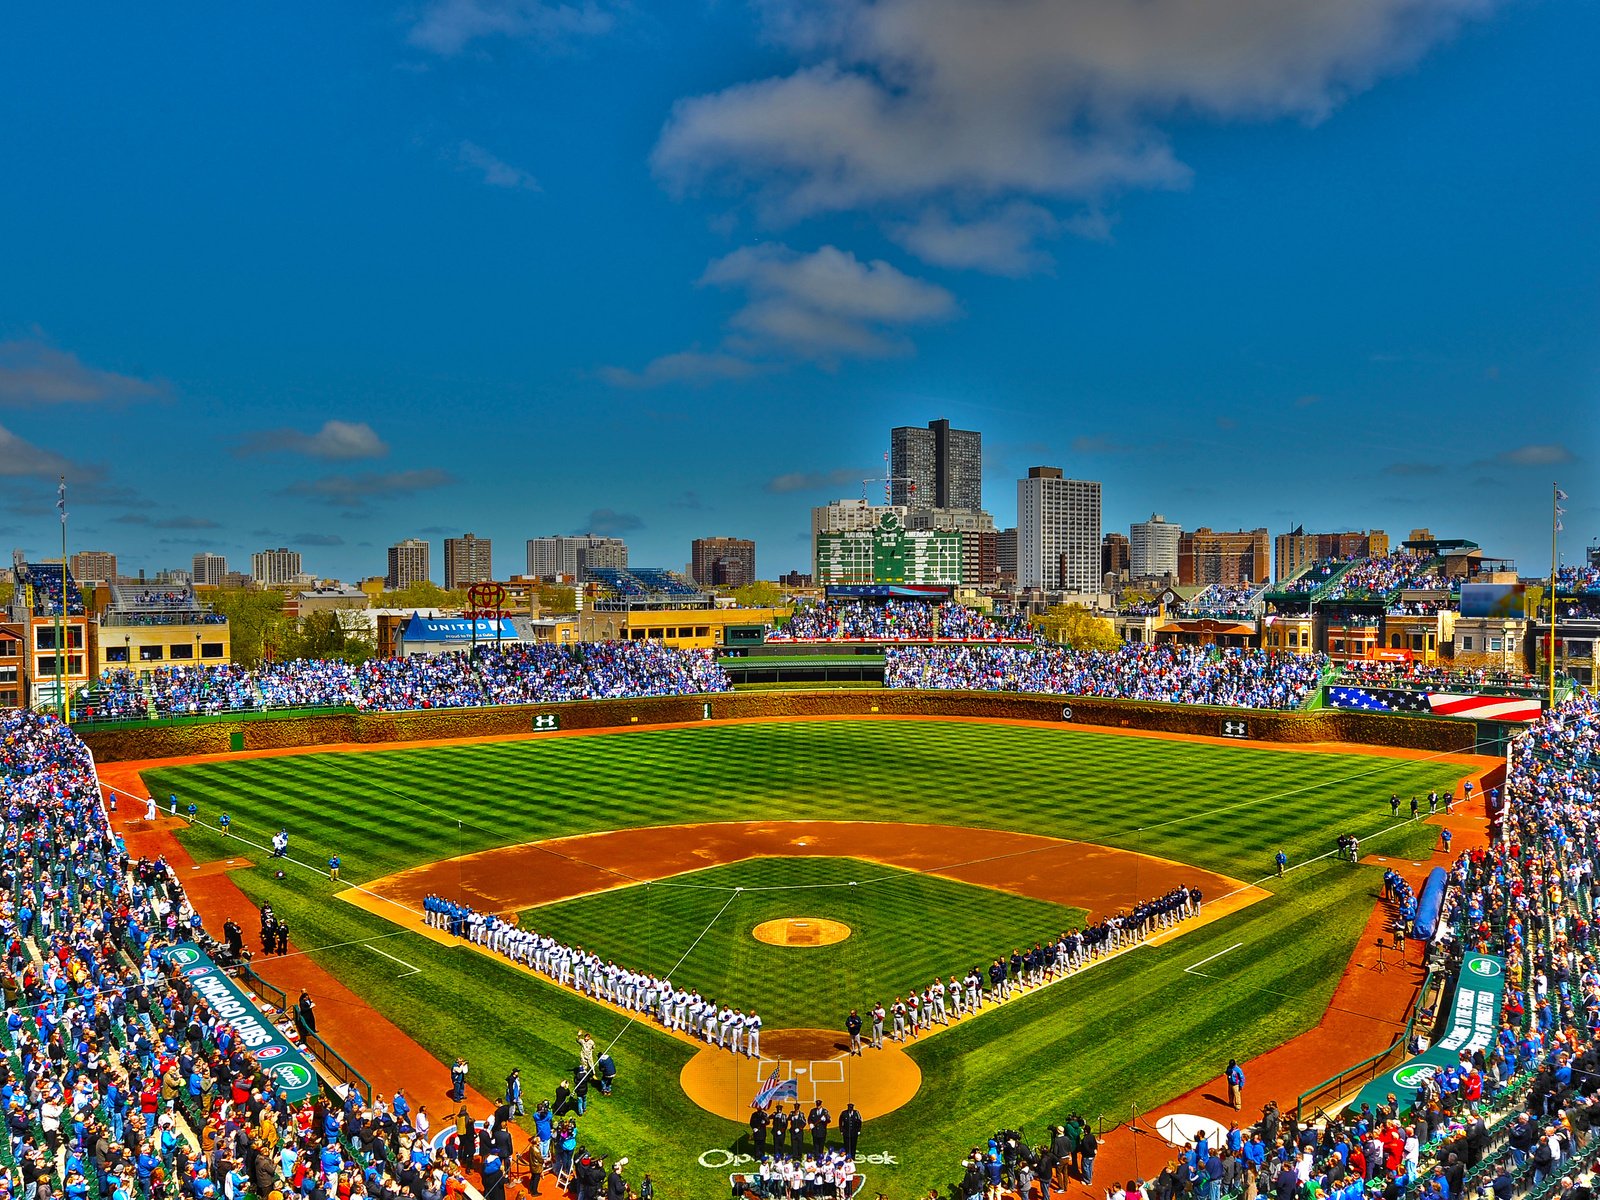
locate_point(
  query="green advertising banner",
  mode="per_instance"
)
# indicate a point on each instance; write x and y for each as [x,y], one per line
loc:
[296,1078]
[1474,1017]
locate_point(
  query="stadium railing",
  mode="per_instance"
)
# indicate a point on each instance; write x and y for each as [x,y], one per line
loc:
[333,1063]
[1334,1088]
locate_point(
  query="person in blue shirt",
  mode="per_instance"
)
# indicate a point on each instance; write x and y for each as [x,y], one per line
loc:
[1235,1077]
[333,867]
[224,823]
[1282,860]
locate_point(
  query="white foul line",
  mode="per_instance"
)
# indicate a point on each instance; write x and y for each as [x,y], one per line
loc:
[392,958]
[1190,969]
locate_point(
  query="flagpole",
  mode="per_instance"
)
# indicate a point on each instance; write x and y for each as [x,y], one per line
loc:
[1555,528]
[61,609]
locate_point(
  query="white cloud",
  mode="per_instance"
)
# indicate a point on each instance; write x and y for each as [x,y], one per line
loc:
[496,172]
[824,304]
[686,366]
[1001,242]
[336,440]
[447,27]
[20,459]
[1547,455]
[33,372]
[819,307]
[897,104]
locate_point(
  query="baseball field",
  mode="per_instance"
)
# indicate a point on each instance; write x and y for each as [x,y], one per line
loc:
[935,844]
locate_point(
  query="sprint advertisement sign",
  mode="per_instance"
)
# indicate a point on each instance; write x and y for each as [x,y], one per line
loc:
[1474,1016]
[295,1077]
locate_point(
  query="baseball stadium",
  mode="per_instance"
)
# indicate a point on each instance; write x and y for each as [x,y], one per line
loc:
[1021,918]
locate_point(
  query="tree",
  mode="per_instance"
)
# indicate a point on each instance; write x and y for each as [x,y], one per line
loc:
[255,620]
[425,594]
[327,635]
[1079,627]
[557,599]
[763,593]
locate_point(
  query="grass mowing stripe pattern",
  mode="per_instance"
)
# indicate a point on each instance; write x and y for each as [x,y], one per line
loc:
[1133,1030]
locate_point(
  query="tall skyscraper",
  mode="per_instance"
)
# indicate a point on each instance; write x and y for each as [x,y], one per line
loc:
[93,566]
[1153,547]
[549,557]
[408,564]
[722,561]
[1058,532]
[273,567]
[936,467]
[467,560]
[209,569]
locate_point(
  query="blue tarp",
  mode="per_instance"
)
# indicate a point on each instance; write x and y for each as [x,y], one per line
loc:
[456,629]
[1429,903]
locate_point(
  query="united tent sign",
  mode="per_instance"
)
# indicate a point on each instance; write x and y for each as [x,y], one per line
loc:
[1474,1016]
[295,1077]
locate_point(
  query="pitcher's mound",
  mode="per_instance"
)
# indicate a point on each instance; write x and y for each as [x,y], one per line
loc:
[801,931]
[878,1082]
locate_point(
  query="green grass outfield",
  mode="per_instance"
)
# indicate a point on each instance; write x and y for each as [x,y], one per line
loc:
[1134,1030]
[905,928]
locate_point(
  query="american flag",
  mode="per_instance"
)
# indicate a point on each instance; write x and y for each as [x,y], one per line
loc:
[1443,704]
[1395,700]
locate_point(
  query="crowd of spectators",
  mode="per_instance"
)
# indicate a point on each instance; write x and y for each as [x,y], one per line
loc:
[1137,671]
[46,580]
[1375,578]
[901,621]
[1402,674]
[1313,577]
[1219,600]
[120,1081]
[509,675]
[1578,579]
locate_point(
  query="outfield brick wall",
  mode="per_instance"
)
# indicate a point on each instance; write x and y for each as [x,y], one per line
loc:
[216,736]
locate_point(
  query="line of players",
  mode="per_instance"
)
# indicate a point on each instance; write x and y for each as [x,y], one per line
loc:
[685,1010]
[682,1009]
[1024,969]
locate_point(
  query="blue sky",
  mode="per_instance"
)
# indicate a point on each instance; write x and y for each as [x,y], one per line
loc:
[330,276]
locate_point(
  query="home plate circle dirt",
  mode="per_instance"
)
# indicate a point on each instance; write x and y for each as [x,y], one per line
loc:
[801,931]
[818,1060]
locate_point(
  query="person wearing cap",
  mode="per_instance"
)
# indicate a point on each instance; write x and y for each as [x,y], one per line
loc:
[616,1186]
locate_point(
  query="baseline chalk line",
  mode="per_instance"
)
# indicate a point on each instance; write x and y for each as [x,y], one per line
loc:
[1190,970]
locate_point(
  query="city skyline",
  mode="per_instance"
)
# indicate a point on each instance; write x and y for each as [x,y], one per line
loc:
[526,275]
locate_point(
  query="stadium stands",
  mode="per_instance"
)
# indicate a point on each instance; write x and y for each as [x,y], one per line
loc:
[645,583]
[1225,603]
[900,621]
[43,581]
[1386,577]
[532,674]
[1168,673]
[121,1080]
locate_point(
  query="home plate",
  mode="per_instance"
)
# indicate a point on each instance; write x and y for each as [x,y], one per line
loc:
[1179,1129]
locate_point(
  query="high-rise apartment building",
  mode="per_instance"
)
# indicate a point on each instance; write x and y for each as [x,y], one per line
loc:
[1058,532]
[557,556]
[936,467]
[1232,559]
[93,566]
[467,560]
[1114,555]
[722,561]
[1153,547]
[408,564]
[274,567]
[1005,553]
[1296,550]
[209,569]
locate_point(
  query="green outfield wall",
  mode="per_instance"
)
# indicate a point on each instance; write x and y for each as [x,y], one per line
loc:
[123,743]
